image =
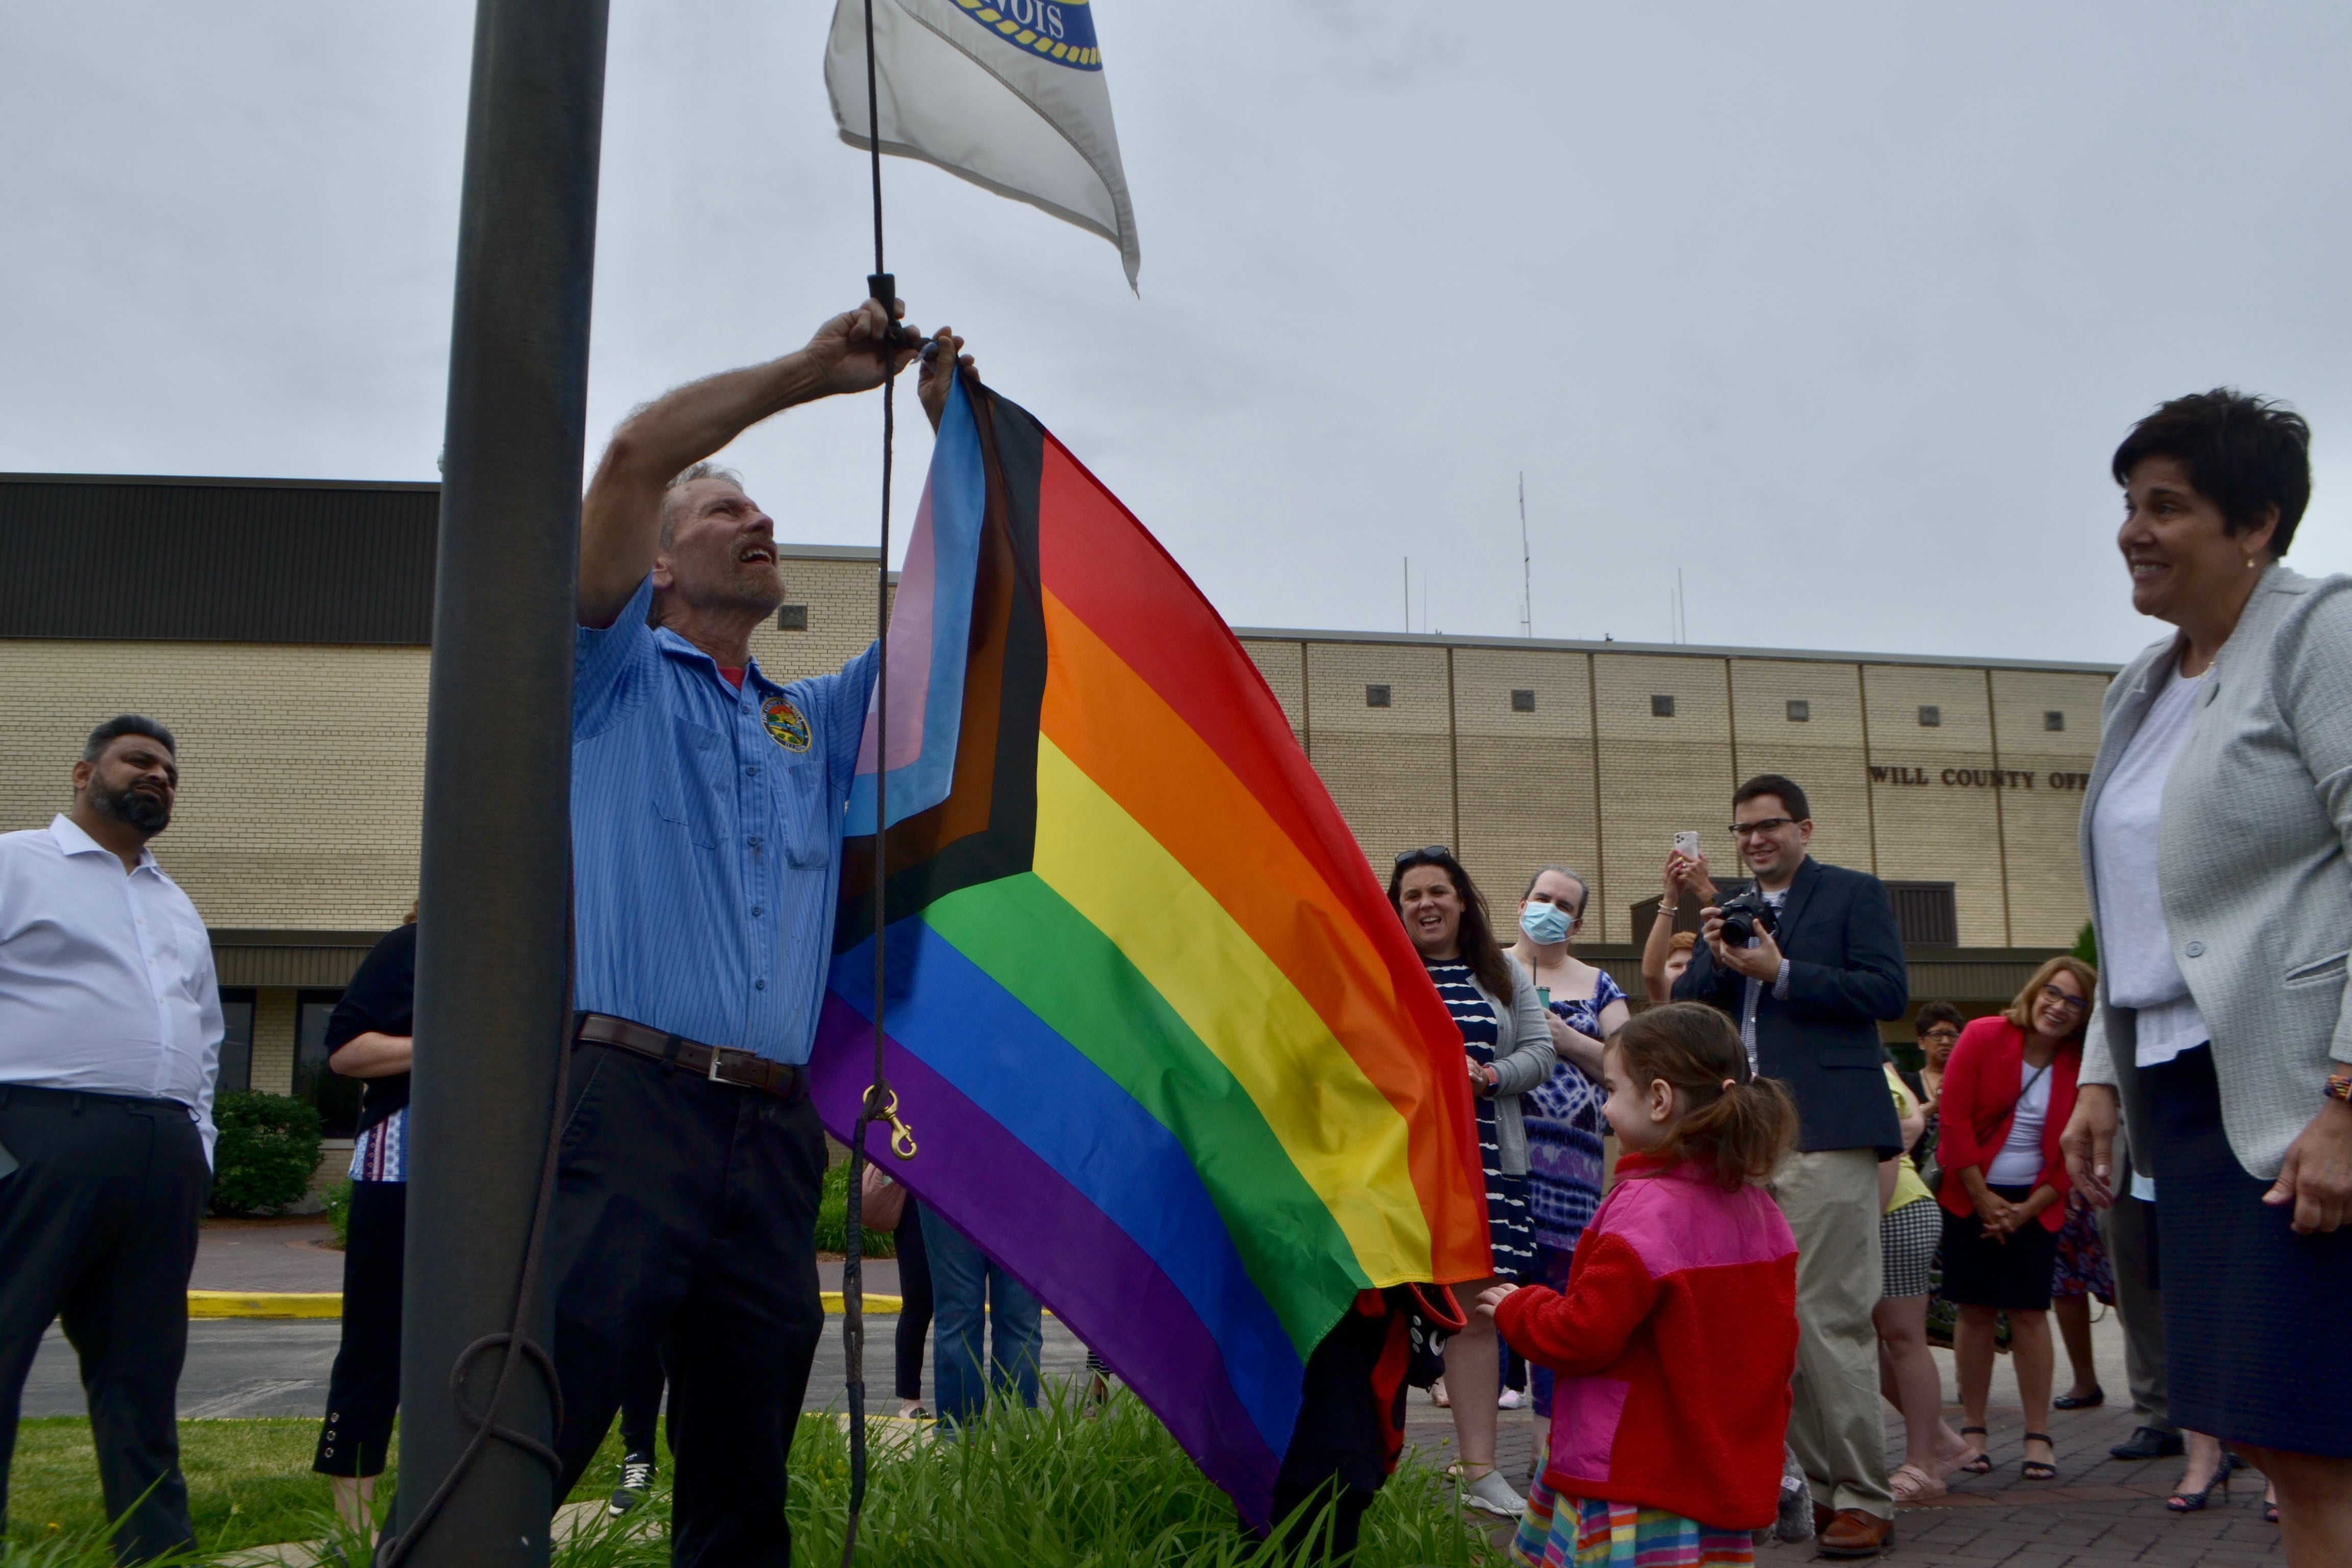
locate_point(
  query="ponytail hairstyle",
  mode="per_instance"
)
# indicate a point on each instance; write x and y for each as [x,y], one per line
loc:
[1737,1132]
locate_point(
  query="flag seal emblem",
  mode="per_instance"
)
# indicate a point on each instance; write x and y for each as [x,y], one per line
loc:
[1062,31]
[785,725]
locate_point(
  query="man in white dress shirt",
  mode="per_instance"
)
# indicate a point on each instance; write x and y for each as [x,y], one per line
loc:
[110,1042]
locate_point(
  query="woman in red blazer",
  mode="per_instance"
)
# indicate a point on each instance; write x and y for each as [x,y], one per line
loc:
[2009,1087]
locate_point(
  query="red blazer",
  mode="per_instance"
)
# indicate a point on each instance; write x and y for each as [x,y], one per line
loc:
[1980,1082]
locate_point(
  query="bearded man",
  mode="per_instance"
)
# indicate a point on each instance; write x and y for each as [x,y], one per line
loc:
[109,1045]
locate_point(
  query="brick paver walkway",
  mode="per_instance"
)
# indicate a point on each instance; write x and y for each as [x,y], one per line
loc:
[2100,1511]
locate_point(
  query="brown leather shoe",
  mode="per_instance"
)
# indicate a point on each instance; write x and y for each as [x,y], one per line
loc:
[1821,1517]
[1853,1534]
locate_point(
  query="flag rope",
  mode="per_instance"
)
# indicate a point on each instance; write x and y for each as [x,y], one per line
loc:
[879,1103]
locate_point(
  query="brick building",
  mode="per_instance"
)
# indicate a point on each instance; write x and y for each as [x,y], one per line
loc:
[281,629]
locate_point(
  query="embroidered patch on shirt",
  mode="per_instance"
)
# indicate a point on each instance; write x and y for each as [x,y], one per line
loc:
[786,724]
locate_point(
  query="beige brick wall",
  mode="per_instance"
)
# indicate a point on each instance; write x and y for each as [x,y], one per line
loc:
[1658,776]
[274,1013]
[301,769]
[1929,831]
[1822,755]
[1389,770]
[839,594]
[1284,665]
[2040,823]
[1526,778]
[302,766]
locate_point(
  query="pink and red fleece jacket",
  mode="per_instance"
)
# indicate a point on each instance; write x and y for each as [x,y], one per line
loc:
[1675,1342]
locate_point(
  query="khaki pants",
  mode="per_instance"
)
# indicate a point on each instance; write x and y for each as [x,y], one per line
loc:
[1830,1198]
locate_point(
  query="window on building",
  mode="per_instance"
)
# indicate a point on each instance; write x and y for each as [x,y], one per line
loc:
[1376,697]
[337,1097]
[1801,710]
[1523,701]
[2053,719]
[236,1040]
[1927,914]
[1662,706]
[792,617]
[1930,716]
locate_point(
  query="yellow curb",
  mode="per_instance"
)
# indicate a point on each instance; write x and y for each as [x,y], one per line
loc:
[881,1305]
[265,1304]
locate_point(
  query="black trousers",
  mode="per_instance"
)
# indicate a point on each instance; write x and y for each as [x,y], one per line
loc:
[97,1227]
[685,1217]
[641,1405]
[914,1299]
[1338,1450]
[364,1392]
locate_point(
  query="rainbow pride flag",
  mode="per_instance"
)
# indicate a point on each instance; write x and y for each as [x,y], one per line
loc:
[1167,1052]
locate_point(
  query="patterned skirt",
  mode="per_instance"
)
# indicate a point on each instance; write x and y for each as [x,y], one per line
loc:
[1556,1531]
[1907,1246]
[2083,1268]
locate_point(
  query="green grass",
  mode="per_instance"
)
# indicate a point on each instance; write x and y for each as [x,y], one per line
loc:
[1052,1489]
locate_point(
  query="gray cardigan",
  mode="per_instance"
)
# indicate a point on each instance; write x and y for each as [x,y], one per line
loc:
[2252,863]
[1523,1059]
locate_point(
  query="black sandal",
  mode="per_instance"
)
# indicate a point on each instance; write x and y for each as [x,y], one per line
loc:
[2037,1470]
[1983,1464]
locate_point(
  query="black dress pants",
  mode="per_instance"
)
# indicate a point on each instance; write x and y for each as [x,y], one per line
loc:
[97,1227]
[364,1392]
[685,1217]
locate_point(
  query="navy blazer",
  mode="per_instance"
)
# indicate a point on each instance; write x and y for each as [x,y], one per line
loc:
[1846,972]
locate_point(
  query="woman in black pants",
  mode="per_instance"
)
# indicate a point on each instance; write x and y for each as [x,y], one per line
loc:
[369,1037]
[914,1308]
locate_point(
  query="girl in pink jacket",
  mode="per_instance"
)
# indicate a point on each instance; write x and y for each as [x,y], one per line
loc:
[1677,1334]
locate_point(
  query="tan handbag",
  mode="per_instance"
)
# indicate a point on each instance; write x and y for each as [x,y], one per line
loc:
[880,1200]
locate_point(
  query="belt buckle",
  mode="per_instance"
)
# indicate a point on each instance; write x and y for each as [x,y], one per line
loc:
[713,1074]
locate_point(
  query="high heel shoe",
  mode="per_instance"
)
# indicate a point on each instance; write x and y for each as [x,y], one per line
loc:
[2194,1502]
[2040,1470]
[1983,1464]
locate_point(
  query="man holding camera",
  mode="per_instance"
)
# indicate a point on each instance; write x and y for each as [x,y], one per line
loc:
[1806,962]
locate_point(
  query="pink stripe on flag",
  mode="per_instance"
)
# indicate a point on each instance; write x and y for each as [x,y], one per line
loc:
[910,647]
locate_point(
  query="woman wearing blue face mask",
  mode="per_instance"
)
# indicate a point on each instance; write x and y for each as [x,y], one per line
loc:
[1562,1114]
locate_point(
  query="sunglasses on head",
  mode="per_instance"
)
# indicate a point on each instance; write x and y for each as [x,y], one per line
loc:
[1433,852]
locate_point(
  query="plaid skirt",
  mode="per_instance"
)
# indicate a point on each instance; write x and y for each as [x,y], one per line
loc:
[1907,1245]
[1556,1531]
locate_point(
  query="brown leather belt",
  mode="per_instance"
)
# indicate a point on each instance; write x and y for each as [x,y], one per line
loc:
[719,1064]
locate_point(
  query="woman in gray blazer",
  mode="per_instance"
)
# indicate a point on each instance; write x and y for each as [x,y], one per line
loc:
[1508,1048]
[2215,838]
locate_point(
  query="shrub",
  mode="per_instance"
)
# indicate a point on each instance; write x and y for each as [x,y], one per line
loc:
[2087,944]
[337,1201]
[832,1220]
[268,1146]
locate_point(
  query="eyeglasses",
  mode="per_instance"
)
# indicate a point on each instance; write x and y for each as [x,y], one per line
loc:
[2066,999]
[1941,1036]
[1433,852]
[1770,825]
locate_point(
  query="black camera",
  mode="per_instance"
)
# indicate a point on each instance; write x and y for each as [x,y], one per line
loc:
[1744,916]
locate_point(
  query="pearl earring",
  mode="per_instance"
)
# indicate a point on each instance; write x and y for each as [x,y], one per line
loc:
[2249,562]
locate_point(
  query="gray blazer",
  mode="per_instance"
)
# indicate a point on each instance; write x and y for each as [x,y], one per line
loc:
[1523,1059]
[2252,863]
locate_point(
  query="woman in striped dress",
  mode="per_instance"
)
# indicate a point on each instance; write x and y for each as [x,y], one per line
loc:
[1509,1051]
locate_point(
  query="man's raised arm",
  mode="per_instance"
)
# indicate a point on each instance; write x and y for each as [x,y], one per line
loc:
[620,521]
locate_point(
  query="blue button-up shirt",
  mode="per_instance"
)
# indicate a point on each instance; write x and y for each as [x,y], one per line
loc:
[705,831]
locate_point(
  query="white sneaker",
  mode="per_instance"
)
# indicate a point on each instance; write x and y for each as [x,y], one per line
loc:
[1508,1400]
[1490,1493]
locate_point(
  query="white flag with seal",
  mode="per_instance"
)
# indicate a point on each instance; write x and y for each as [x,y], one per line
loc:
[1007,93]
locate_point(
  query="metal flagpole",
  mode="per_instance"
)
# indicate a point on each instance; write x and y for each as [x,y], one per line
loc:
[480,1409]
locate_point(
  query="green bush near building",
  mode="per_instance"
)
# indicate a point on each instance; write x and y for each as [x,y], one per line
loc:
[268,1146]
[337,1203]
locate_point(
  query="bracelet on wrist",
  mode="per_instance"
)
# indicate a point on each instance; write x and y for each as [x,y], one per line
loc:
[2339,1087]
[1667,910]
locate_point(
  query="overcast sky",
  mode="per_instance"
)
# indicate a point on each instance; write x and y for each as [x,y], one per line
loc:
[1838,308]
